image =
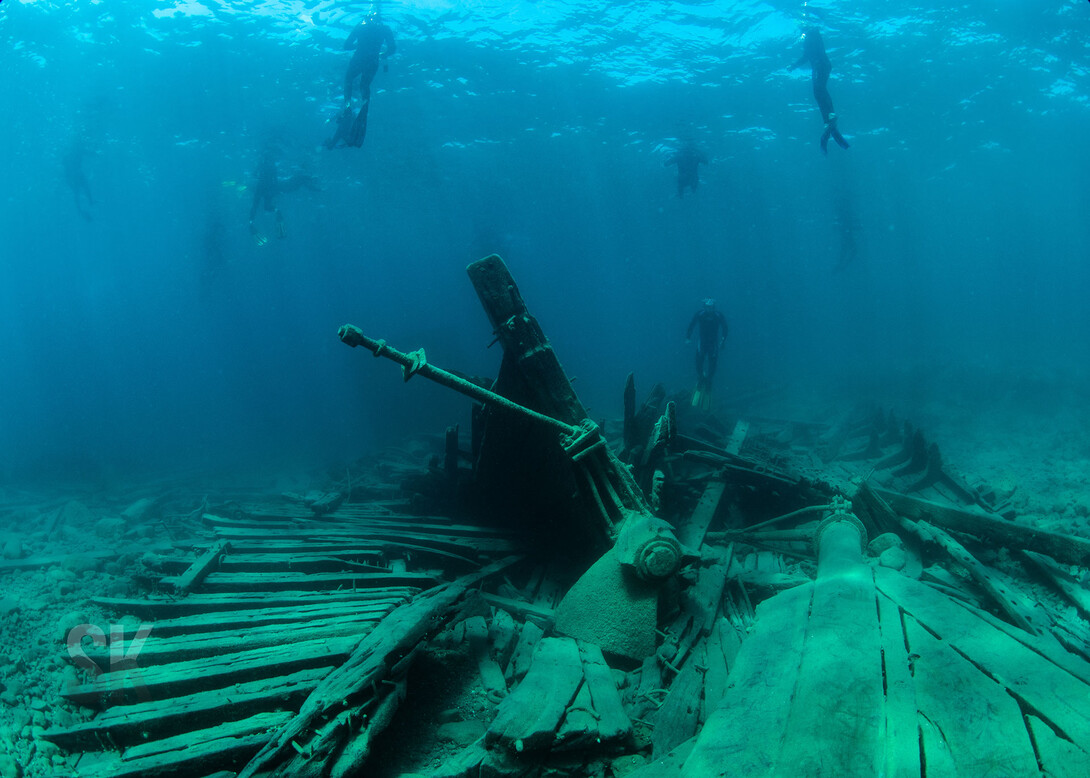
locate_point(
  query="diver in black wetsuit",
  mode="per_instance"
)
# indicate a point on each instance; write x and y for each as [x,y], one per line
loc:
[367,39]
[711,329]
[77,179]
[813,49]
[268,185]
[688,159]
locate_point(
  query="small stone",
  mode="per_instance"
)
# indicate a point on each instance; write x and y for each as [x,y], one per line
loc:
[110,528]
[883,542]
[894,558]
[13,549]
[9,768]
[37,703]
[461,733]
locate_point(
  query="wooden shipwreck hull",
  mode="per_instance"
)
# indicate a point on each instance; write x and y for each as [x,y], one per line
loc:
[686,596]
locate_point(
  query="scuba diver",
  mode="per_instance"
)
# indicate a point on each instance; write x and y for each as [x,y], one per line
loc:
[77,179]
[813,49]
[268,185]
[688,158]
[711,329]
[367,38]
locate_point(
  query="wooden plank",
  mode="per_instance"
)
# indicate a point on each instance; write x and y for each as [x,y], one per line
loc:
[679,717]
[1065,548]
[737,437]
[201,567]
[211,673]
[838,709]
[1058,757]
[189,754]
[160,651]
[1057,694]
[489,545]
[125,725]
[271,582]
[386,548]
[528,718]
[1063,580]
[1018,609]
[980,724]
[206,603]
[715,679]
[693,529]
[902,735]
[745,732]
[220,621]
[421,525]
[613,722]
[303,563]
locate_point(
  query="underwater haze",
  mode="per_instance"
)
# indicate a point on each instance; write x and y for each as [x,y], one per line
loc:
[145,330]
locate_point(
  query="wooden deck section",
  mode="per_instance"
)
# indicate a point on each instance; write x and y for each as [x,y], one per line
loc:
[270,607]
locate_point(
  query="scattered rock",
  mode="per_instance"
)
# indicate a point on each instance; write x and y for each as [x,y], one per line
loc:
[8,606]
[885,541]
[110,528]
[13,549]
[461,733]
[138,511]
[893,558]
[9,768]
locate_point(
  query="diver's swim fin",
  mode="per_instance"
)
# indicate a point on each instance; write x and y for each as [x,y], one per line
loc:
[358,130]
[344,128]
[702,396]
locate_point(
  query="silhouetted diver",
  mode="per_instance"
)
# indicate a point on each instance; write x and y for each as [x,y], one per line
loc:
[367,38]
[813,49]
[688,159]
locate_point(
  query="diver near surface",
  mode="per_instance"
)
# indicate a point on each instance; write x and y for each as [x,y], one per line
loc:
[266,188]
[76,179]
[813,49]
[688,160]
[368,38]
[711,329]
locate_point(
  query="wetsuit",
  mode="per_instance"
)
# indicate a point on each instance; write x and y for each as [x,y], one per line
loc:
[688,159]
[813,49]
[367,38]
[269,185]
[77,180]
[712,334]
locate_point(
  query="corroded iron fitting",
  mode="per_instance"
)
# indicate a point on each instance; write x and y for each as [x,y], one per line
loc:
[841,513]
[658,558]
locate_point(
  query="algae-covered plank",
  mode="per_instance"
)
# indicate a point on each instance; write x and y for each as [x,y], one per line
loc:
[744,734]
[679,716]
[981,725]
[529,717]
[1057,694]
[613,721]
[1059,758]
[212,672]
[160,651]
[271,582]
[192,753]
[838,712]
[128,724]
[902,746]
[1066,548]
[208,603]
[1064,581]
[220,621]
[692,530]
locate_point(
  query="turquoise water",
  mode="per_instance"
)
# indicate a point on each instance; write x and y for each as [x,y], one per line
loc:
[950,239]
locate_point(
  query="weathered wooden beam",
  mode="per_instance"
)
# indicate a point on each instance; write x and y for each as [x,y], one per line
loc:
[206,603]
[307,742]
[199,570]
[522,337]
[124,725]
[1065,548]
